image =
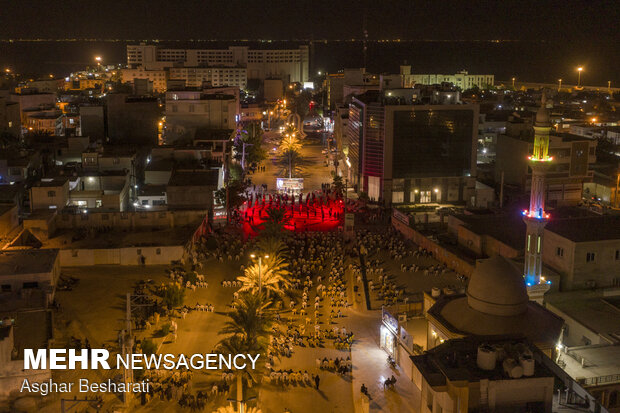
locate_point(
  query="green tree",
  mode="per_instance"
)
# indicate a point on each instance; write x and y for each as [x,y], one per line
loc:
[251,320]
[173,296]
[337,184]
[273,227]
[271,277]
[148,347]
[290,162]
[231,196]
[252,139]
[272,245]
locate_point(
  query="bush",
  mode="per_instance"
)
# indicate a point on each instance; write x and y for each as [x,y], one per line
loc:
[148,347]
[191,276]
[165,329]
[173,296]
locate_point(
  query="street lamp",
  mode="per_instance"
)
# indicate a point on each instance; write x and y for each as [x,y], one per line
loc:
[513,82]
[260,268]
[559,84]
[579,70]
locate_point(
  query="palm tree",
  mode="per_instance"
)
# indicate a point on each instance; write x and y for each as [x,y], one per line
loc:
[272,246]
[290,162]
[273,227]
[231,409]
[250,321]
[248,333]
[270,276]
[290,148]
[337,183]
[289,142]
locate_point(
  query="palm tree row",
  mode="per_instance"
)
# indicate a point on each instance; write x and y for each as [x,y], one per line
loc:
[264,283]
[290,150]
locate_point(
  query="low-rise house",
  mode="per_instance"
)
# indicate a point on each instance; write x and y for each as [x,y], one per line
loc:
[49,193]
[192,189]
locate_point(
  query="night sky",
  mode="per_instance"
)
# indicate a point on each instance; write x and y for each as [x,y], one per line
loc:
[338,19]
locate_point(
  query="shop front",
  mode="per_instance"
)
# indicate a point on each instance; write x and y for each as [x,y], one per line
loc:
[389,334]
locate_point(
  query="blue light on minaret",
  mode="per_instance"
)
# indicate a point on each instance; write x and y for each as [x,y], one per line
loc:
[535,217]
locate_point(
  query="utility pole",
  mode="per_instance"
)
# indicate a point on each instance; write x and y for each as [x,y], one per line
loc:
[244,144]
[127,345]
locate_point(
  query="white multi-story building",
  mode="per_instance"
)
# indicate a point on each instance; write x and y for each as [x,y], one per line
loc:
[215,76]
[158,77]
[461,79]
[292,65]
[188,111]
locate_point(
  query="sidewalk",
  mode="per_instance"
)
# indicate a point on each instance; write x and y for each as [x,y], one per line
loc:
[370,367]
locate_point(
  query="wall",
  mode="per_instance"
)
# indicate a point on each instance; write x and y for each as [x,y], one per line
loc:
[132,121]
[91,122]
[157,177]
[561,264]
[575,331]
[121,256]
[505,393]
[198,197]
[131,220]
[511,158]
[273,89]
[8,221]
[450,259]
[40,199]
[603,270]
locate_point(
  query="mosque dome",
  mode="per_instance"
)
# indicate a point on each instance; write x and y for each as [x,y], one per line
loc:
[497,288]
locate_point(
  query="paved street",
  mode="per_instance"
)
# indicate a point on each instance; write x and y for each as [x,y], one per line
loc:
[314,169]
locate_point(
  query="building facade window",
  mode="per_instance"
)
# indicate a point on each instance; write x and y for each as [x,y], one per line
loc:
[559,252]
[51,194]
[590,256]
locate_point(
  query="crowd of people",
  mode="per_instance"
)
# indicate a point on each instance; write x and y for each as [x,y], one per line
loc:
[338,365]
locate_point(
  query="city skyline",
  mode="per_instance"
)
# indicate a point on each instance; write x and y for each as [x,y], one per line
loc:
[414,207]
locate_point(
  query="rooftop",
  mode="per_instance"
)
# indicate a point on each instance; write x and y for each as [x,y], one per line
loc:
[455,360]
[587,229]
[69,239]
[507,228]
[53,182]
[4,208]
[31,261]
[599,361]
[213,134]
[200,177]
[597,310]
[165,164]
[152,190]
[46,115]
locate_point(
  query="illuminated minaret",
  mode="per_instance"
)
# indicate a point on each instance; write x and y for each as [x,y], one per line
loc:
[536,217]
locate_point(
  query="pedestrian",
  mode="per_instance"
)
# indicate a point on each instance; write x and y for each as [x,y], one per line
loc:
[316,381]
